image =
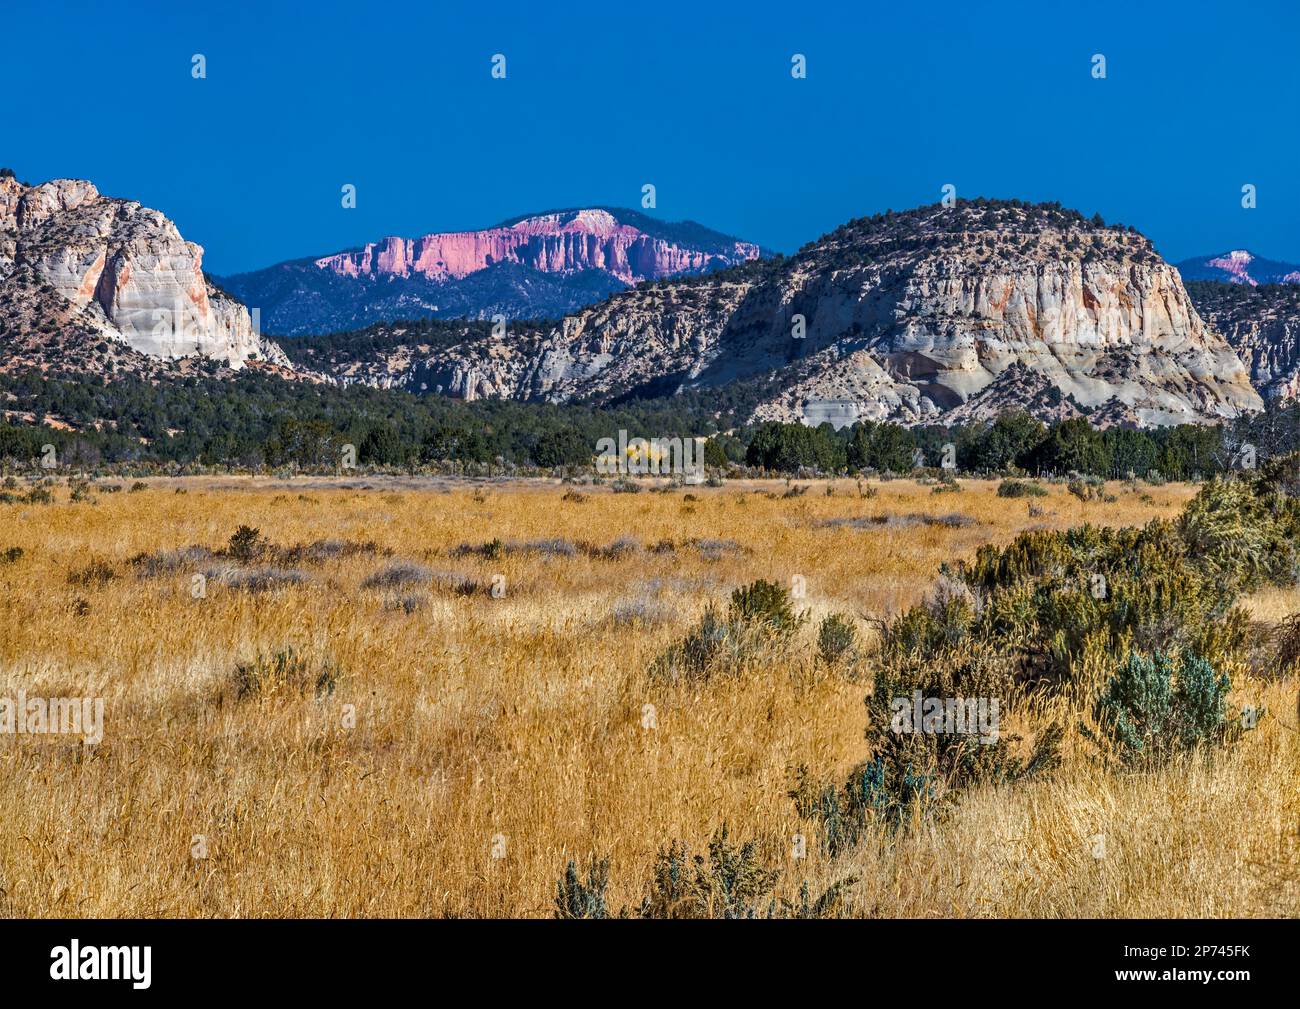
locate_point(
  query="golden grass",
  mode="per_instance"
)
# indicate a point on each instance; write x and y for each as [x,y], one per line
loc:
[521,718]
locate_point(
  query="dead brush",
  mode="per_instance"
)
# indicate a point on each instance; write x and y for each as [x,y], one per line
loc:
[96,574]
[1286,653]
[396,576]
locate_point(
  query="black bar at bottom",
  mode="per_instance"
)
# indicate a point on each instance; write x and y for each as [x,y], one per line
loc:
[335,958]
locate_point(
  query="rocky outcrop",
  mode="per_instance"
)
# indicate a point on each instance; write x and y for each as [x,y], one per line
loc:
[127,271]
[540,266]
[902,317]
[1262,324]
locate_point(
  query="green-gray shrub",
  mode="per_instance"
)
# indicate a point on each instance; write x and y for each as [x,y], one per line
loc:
[1152,709]
[836,639]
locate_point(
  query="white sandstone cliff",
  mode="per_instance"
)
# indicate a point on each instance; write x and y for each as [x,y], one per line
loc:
[139,281]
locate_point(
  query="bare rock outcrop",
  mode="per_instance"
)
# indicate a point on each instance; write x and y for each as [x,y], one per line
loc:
[127,270]
[1262,324]
[902,317]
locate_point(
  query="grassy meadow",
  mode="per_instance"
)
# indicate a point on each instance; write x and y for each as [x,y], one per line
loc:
[424,698]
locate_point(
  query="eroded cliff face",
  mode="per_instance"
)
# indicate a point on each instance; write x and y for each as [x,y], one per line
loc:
[1262,324]
[550,243]
[912,316]
[543,266]
[128,269]
[908,317]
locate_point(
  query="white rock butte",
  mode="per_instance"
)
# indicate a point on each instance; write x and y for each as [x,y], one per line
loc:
[140,281]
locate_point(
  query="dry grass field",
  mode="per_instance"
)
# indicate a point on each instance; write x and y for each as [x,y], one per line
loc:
[431,749]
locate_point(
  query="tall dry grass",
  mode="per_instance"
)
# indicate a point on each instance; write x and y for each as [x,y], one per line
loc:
[472,721]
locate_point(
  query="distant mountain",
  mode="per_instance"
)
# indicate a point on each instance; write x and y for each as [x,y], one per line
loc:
[537,266]
[936,315]
[915,317]
[1239,267]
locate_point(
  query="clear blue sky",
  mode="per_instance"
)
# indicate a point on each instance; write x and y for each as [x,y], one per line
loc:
[697,98]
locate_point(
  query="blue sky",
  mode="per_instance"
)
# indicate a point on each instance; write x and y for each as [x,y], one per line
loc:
[900,99]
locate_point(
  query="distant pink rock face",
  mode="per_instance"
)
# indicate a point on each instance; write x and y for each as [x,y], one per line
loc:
[1237,263]
[550,243]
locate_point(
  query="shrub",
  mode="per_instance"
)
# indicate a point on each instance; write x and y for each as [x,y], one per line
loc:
[165,562]
[765,604]
[1049,596]
[575,898]
[695,657]
[1288,645]
[731,882]
[94,575]
[759,618]
[911,771]
[286,670]
[257,580]
[1087,488]
[11,555]
[489,551]
[946,484]
[836,639]
[1151,709]
[1021,488]
[246,544]
[1231,531]
[397,576]
[320,551]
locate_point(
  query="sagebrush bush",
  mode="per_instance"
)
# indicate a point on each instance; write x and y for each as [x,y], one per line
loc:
[256,580]
[1152,709]
[946,483]
[765,604]
[836,639]
[1241,533]
[759,619]
[1048,596]
[1087,488]
[576,898]
[1287,655]
[732,881]
[702,651]
[94,575]
[1023,618]
[1021,488]
[287,670]
[396,576]
[913,771]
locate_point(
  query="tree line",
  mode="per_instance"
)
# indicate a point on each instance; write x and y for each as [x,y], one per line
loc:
[257,421]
